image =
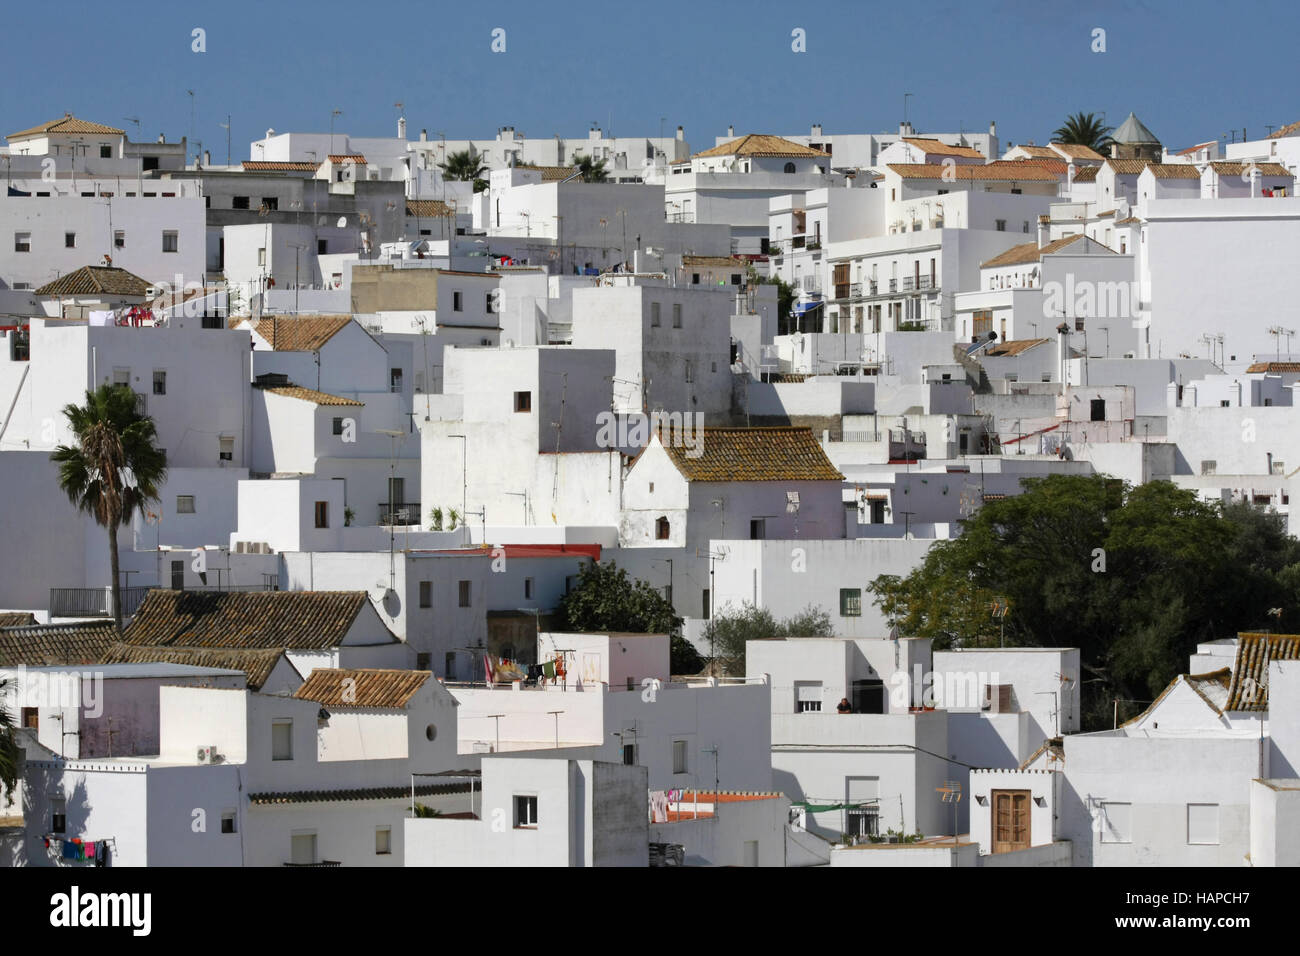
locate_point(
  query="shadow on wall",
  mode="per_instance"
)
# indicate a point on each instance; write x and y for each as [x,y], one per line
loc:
[48,781]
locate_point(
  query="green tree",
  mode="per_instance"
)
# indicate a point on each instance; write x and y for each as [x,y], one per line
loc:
[727,633]
[1133,577]
[8,744]
[114,469]
[607,599]
[591,170]
[1085,129]
[465,166]
[784,297]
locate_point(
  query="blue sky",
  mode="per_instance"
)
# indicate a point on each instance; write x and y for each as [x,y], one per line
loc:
[1191,70]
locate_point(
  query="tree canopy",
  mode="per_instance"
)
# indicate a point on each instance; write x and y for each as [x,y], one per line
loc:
[1085,129]
[1135,577]
[464,166]
[728,631]
[607,599]
[591,170]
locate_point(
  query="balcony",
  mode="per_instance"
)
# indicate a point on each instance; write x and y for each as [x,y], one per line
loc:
[399,513]
[915,284]
[98,602]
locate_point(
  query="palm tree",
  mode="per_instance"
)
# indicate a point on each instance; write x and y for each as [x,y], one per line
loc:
[591,170]
[1085,129]
[114,469]
[8,744]
[464,166]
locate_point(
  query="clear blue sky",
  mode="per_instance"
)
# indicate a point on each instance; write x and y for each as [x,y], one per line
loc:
[1191,70]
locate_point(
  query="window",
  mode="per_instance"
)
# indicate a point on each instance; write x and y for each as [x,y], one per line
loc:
[282,739]
[302,849]
[322,247]
[488,302]
[322,514]
[695,278]
[1117,822]
[528,589]
[807,697]
[654,315]
[850,602]
[395,381]
[525,812]
[789,168]
[662,528]
[629,753]
[757,529]
[1000,225]
[1097,409]
[426,594]
[261,257]
[22,242]
[270,203]
[170,241]
[707,607]
[1011,818]
[58,815]
[523,401]
[178,575]
[677,315]
[1224,403]
[455,302]
[105,152]
[69,240]
[1203,824]
[679,756]
[690,371]
[338,426]
[160,381]
[1209,466]
[185,504]
[119,239]
[31,718]
[228,821]
[383,841]
[238,202]
[464,593]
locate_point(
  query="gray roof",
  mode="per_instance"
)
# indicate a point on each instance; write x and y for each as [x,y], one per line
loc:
[155,669]
[1132,131]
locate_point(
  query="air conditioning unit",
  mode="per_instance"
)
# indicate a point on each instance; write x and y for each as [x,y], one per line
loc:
[208,755]
[241,547]
[152,292]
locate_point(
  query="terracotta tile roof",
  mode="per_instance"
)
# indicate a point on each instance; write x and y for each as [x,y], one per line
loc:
[347,157]
[96,280]
[291,619]
[41,645]
[1192,149]
[1028,252]
[256,663]
[1127,167]
[362,793]
[1249,687]
[714,262]
[1077,151]
[1290,130]
[17,619]
[1274,367]
[68,124]
[754,454]
[1055,165]
[1238,169]
[1039,152]
[1014,347]
[387,689]
[1107,214]
[1086,174]
[1174,171]
[171,299]
[428,208]
[268,166]
[757,144]
[937,148]
[298,333]
[311,395]
[1002,170]
[1129,221]
[552,174]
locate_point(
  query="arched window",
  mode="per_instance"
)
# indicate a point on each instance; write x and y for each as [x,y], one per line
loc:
[661,529]
[789,167]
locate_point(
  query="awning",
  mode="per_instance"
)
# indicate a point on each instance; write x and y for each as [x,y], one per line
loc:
[804,308]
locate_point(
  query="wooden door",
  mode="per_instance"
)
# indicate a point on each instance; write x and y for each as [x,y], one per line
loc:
[1010,820]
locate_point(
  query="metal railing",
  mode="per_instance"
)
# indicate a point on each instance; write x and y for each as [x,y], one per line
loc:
[400,513]
[93,602]
[321,863]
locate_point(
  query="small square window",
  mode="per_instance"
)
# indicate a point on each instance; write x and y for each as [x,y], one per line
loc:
[22,242]
[322,247]
[523,401]
[228,822]
[185,504]
[105,152]
[338,426]
[850,602]
[383,841]
[525,812]
[69,240]
[238,202]
[170,241]
[119,239]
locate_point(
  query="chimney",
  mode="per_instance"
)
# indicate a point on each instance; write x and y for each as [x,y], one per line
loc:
[993,128]
[1043,223]
[731,131]
[270,133]
[817,129]
[207,157]
[681,134]
[401,127]
[424,136]
[1069,174]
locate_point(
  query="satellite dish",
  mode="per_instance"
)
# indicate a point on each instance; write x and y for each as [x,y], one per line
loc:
[343,221]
